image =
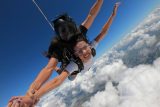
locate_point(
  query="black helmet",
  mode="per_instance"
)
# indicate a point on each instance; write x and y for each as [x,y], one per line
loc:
[64,26]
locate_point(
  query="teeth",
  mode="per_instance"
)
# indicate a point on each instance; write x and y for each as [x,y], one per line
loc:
[86,55]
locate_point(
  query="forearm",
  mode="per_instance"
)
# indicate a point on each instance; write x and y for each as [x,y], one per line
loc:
[92,14]
[110,20]
[41,78]
[107,25]
[105,29]
[95,8]
[50,85]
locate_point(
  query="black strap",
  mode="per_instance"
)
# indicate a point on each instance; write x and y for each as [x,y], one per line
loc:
[93,52]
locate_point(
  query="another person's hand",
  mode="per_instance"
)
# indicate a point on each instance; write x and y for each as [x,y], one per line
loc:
[21,101]
[16,103]
[115,8]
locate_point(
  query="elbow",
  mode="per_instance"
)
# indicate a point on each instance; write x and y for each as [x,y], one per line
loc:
[49,68]
[103,33]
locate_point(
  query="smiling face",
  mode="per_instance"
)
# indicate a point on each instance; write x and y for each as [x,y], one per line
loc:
[83,51]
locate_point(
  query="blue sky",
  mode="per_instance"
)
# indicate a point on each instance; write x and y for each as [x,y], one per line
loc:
[25,34]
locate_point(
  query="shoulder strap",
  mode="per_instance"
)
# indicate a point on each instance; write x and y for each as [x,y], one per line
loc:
[93,52]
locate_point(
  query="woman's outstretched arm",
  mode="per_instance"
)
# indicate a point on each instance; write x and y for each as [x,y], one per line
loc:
[107,24]
[92,14]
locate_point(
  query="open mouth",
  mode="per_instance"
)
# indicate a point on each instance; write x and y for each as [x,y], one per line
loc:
[86,56]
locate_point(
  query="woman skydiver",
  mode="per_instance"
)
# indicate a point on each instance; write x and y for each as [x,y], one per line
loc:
[82,49]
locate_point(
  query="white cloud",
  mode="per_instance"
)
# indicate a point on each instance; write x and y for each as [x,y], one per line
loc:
[144,41]
[140,86]
[107,98]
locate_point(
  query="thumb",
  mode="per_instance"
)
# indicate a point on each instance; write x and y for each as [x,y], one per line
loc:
[9,104]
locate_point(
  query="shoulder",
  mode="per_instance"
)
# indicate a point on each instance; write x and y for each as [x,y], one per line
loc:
[94,44]
[54,49]
[83,29]
[71,67]
[54,41]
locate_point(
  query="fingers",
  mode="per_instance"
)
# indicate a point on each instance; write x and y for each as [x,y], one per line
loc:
[117,4]
[25,105]
[22,104]
[17,101]
[115,8]
[14,103]
[14,98]
[9,104]
[17,104]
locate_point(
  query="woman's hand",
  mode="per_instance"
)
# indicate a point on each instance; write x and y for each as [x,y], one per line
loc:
[115,8]
[21,101]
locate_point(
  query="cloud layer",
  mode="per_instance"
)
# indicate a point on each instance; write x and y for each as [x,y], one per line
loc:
[126,76]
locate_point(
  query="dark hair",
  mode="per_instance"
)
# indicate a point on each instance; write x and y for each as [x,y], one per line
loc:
[57,45]
[78,38]
[51,48]
[63,16]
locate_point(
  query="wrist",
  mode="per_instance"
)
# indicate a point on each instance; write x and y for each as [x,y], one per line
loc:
[31,92]
[34,98]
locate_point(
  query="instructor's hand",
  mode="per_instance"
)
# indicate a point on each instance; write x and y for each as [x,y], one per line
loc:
[21,101]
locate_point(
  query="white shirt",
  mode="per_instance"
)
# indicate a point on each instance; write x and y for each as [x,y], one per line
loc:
[72,66]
